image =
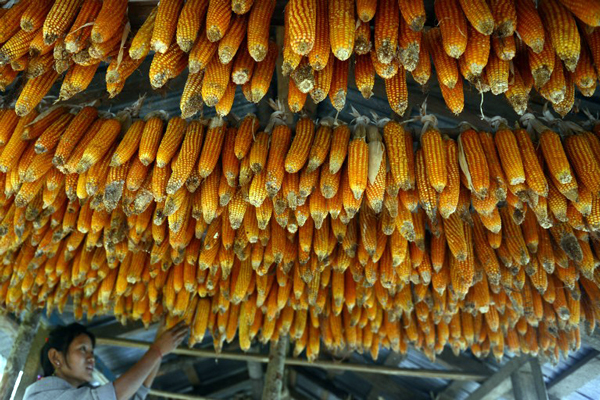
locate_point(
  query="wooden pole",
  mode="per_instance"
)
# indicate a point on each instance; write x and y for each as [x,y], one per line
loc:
[328,365]
[275,369]
[32,364]
[255,372]
[18,353]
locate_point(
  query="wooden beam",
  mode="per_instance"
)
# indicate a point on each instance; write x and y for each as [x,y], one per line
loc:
[528,382]
[180,396]
[115,328]
[32,366]
[329,365]
[275,369]
[488,389]
[16,359]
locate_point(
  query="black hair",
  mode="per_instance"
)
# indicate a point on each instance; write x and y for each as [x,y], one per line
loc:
[60,339]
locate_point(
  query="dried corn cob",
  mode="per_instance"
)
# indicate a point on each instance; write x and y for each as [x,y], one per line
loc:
[258,31]
[341,33]
[565,40]
[189,22]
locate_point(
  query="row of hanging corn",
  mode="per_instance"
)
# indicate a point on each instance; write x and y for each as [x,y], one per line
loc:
[504,46]
[364,235]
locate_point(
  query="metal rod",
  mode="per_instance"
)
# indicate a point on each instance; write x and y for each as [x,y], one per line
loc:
[181,396]
[415,373]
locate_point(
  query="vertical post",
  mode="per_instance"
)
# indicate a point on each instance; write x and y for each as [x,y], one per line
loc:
[255,372]
[17,357]
[528,382]
[274,378]
[32,363]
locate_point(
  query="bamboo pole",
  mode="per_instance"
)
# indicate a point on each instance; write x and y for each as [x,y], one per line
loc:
[361,368]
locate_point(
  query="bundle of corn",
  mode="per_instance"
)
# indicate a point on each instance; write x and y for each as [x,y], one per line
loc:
[506,46]
[481,243]
[47,39]
[76,36]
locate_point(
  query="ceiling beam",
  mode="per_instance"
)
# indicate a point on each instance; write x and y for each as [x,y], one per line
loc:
[329,365]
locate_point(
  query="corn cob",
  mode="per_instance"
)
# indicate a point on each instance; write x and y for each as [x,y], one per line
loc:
[413,13]
[529,25]
[505,17]
[479,15]
[212,147]
[362,39]
[263,73]
[165,25]
[341,34]
[99,145]
[555,157]
[78,78]
[243,66]
[585,74]
[410,45]
[386,33]
[357,165]
[8,75]
[435,159]
[395,142]
[280,142]
[453,27]
[49,139]
[584,162]
[191,98]
[188,23]
[302,29]
[11,18]
[508,150]
[167,65]
[174,134]
[188,154]
[397,91]
[563,32]
[476,54]
[140,44]
[33,92]
[444,64]
[120,70]
[290,58]
[106,25]
[364,75]
[16,47]
[232,40]
[59,19]
[339,84]
[258,31]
